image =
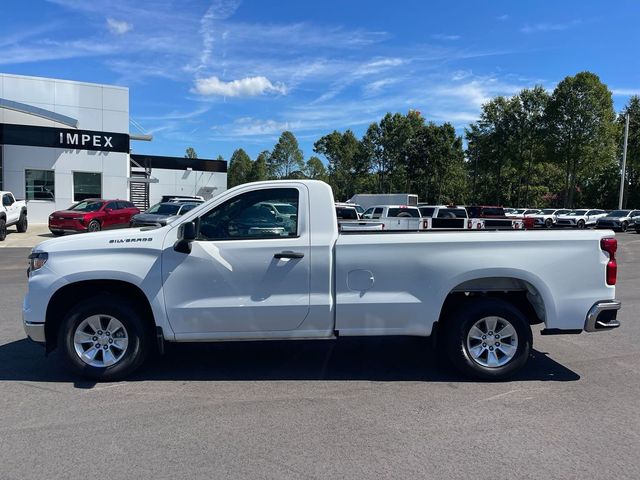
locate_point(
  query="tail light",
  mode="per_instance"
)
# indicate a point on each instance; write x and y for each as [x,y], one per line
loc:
[528,223]
[479,226]
[516,225]
[425,224]
[610,245]
[469,224]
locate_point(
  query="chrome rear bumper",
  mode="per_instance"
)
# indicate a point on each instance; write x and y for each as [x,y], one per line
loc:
[602,316]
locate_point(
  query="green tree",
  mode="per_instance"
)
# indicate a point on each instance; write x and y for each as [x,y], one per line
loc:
[315,169]
[240,167]
[190,153]
[581,132]
[259,170]
[348,162]
[286,158]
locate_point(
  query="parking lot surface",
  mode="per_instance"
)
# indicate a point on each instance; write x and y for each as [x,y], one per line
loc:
[352,408]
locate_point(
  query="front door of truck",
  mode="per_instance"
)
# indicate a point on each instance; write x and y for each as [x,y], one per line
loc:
[248,269]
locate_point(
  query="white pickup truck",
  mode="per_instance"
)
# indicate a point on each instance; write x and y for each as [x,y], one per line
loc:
[12,212]
[222,272]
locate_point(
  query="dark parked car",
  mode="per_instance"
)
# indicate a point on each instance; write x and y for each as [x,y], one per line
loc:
[92,215]
[161,214]
[618,220]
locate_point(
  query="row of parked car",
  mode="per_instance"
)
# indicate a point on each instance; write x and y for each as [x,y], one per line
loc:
[94,214]
[433,217]
[620,220]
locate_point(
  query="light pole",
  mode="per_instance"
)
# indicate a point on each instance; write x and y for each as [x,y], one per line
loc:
[624,160]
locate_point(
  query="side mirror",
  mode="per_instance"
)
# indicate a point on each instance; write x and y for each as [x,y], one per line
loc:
[186,235]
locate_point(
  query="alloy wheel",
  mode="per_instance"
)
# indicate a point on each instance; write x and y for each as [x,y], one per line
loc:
[100,340]
[492,342]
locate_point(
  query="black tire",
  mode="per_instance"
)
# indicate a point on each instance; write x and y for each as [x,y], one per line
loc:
[581,224]
[138,333]
[22,224]
[57,233]
[461,320]
[624,226]
[548,223]
[94,226]
[3,229]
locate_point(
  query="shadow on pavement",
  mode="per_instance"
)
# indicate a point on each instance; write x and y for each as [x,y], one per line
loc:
[376,359]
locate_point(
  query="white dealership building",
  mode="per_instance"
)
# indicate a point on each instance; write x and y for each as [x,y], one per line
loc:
[63,141]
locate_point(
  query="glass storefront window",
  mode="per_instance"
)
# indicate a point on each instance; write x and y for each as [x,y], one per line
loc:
[86,185]
[39,185]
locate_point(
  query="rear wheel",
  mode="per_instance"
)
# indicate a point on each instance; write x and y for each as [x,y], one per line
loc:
[22,224]
[3,229]
[488,338]
[104,338]
[581,224]
[94,226]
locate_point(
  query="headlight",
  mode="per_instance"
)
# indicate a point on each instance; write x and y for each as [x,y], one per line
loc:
[37,260]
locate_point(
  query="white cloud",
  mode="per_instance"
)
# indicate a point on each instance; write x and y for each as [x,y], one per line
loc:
[118,27]
[244,87]
[376,87]
[444,36]
[625,92]
[503,18]
[550,27]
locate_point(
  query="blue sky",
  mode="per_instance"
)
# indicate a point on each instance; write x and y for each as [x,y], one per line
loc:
[226,74]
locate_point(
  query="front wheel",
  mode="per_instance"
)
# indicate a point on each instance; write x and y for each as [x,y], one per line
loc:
[624,226]
[94,226]
[548,223]
[104,338]
[581,224]
[488,339]
[22,224]
[3,229]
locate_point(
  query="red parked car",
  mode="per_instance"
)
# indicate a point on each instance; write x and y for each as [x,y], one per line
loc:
[92,215]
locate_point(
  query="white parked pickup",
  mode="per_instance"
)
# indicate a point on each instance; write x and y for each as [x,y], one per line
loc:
[12,212]
[451,217]
[224,272]
[395,217]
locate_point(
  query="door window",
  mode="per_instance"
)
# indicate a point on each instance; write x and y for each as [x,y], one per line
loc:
[7,200]
[253,215]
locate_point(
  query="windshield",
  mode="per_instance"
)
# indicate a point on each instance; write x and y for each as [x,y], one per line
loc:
[427,211]
[519,211]
[86,206]
[548,211]
[164,209]
[619,213]
[285,208]
[576,213]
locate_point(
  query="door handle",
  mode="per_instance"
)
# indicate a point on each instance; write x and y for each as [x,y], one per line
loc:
[288,254]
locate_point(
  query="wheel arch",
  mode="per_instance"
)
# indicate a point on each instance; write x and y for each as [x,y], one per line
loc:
[526,291]
[69,295]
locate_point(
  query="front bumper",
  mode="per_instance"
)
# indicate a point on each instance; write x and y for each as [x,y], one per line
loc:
[602,316]
[67,225]
[35,331]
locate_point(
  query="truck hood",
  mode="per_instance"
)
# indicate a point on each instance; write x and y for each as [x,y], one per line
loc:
[134,237]
[152,218]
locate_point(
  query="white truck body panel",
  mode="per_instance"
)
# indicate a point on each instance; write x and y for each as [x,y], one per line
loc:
[383,284]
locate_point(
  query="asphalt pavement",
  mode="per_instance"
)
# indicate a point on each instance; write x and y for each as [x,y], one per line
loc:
[352,408]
